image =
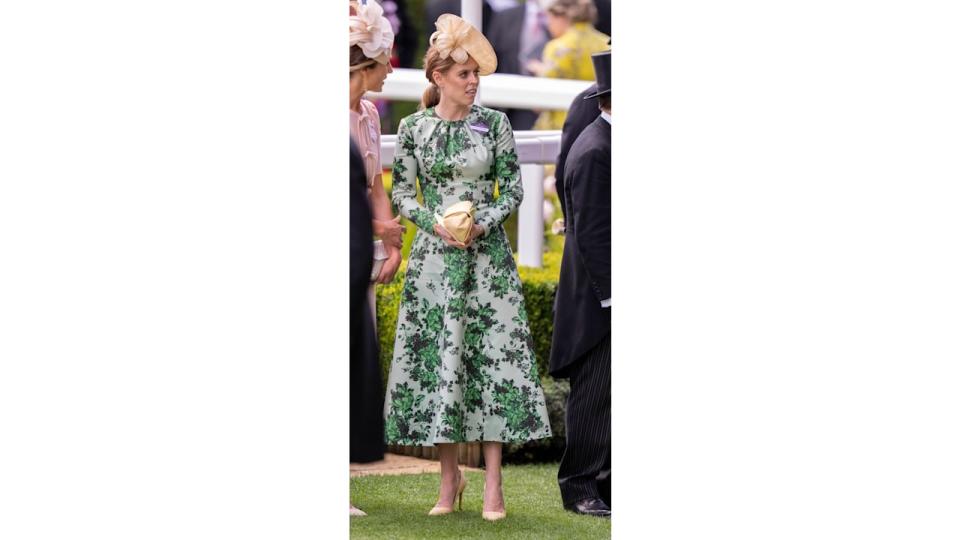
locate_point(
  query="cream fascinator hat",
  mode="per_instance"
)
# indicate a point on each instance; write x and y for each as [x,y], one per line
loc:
[458,220]
[370,31]
[457,38]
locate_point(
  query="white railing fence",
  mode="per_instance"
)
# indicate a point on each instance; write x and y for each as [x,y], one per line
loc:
[534,150]
[499,90]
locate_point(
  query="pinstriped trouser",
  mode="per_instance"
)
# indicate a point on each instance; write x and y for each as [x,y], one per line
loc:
[585,466]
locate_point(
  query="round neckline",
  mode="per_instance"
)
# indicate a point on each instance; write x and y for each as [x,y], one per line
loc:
[433,110]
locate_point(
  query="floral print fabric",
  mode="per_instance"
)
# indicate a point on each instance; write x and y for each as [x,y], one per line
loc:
[463,364]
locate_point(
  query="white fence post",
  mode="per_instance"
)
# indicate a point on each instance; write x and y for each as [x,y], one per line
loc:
[530,217]
[472,12]
[500,90]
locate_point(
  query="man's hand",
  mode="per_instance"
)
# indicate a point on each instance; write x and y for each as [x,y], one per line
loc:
[390,231]
[389,268]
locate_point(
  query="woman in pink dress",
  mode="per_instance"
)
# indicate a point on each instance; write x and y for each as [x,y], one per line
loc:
[371,40]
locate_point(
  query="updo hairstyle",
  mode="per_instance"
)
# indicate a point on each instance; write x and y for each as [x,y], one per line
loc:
[432,62]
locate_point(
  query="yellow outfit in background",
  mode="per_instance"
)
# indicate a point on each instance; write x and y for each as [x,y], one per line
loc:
[568,57]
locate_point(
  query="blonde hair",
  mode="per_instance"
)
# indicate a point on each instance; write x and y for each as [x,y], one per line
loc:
[575,10]
[432,62]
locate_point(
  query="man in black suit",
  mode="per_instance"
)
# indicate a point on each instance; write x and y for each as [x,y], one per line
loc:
[581,327]
[581,114]
[603,16]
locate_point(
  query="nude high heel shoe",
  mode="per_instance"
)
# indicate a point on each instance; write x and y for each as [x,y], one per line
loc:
[441,510]
[494,515]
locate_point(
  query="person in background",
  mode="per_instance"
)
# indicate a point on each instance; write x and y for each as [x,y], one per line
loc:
[404,49]
[463,366]
[435,8]
[404,34]
[567,55]
[518,35]
[580,349]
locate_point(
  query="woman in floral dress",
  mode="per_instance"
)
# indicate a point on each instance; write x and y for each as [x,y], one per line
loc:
[463,366]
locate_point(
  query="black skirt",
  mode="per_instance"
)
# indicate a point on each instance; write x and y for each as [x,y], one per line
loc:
[366,388]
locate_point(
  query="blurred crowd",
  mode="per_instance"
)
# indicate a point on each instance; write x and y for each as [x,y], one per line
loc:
[544,38]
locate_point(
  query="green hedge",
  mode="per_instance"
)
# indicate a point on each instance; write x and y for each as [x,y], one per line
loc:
[388,307]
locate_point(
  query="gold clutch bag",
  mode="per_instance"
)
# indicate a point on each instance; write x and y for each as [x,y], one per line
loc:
[458,220]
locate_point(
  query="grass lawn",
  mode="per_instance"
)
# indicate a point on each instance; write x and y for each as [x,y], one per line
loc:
[397,508]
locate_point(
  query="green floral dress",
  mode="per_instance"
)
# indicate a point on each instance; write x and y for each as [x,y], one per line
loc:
[463,363]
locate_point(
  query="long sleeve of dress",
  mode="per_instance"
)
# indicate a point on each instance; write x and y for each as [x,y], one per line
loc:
[405,170]
[506,169]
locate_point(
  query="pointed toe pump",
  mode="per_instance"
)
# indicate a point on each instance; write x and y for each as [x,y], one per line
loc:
[441,510]
[494,516]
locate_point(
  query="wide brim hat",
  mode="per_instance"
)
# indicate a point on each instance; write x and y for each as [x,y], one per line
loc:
[457,38]
[602,68]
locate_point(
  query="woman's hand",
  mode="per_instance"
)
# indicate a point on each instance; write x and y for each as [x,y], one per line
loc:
[447,237]
[390,231]
[390,266]
[475,232]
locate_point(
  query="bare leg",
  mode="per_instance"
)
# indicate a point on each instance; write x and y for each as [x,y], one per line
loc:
[449,474]
[493,484]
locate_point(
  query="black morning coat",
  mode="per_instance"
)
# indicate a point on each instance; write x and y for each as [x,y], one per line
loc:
[366,390]
[581,113]
[579,322]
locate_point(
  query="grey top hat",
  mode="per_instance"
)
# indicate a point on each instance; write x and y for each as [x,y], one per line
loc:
[601,65]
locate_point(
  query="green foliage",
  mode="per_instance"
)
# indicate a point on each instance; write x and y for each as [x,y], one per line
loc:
[539,290]
[388,306]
